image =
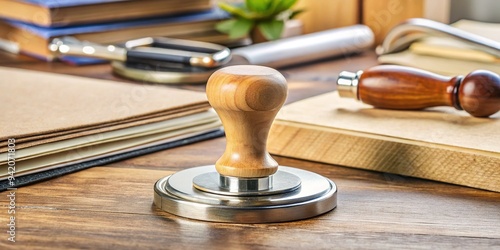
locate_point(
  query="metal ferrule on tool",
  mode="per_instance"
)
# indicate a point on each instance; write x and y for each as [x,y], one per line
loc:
[347,84]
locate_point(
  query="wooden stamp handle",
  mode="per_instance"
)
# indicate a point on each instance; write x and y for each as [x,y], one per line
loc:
[398,87]
[246,98]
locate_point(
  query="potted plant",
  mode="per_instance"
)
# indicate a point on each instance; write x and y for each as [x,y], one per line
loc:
[261,19]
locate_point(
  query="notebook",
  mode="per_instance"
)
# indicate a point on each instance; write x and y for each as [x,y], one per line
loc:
[51,13]
[33,40]
[52,121]
[449,56]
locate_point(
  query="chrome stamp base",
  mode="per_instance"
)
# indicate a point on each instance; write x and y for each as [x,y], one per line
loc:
[294,194]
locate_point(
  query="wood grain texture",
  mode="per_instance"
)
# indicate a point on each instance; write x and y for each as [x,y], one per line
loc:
[246,98]
[479,93]
[452,148]
[111,207]
[398,87]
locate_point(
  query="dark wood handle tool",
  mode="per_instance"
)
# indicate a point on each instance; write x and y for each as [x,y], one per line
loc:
[398,87]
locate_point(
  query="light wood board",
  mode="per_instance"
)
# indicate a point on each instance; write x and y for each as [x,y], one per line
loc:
[382,15]
[438,144]
[321,15]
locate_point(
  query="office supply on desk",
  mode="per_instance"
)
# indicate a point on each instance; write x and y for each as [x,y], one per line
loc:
[111,206]
[9,46]
[157,52]
[280,53]
[34,40]
[439,144]
[52,13]
[398,87]
[246,185]
[53,172]
[455,49]
[58,121]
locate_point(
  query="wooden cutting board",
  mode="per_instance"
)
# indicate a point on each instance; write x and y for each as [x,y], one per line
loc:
[439,144]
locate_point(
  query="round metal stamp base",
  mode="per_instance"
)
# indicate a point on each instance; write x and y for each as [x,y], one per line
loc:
[146,73]
[288,199]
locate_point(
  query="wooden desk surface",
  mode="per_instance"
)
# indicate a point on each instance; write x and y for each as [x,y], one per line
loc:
[111,207]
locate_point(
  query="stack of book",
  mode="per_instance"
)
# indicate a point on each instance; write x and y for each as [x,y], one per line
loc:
[57,124]
[29,25]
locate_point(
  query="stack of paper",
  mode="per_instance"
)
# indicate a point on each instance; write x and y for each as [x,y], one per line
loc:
[448,56]
[52,121]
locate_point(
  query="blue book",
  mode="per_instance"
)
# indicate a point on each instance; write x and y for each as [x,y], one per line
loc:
[33,40]
[51,13]
[68,3]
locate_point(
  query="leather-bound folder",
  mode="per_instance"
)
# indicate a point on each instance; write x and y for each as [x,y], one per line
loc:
[52,121]
[439,144]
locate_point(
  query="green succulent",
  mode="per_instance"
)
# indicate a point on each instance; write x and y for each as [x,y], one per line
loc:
[268,16]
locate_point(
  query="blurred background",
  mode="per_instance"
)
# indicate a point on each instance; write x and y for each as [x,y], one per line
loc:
[382,15]
[479,10]
[27,26]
